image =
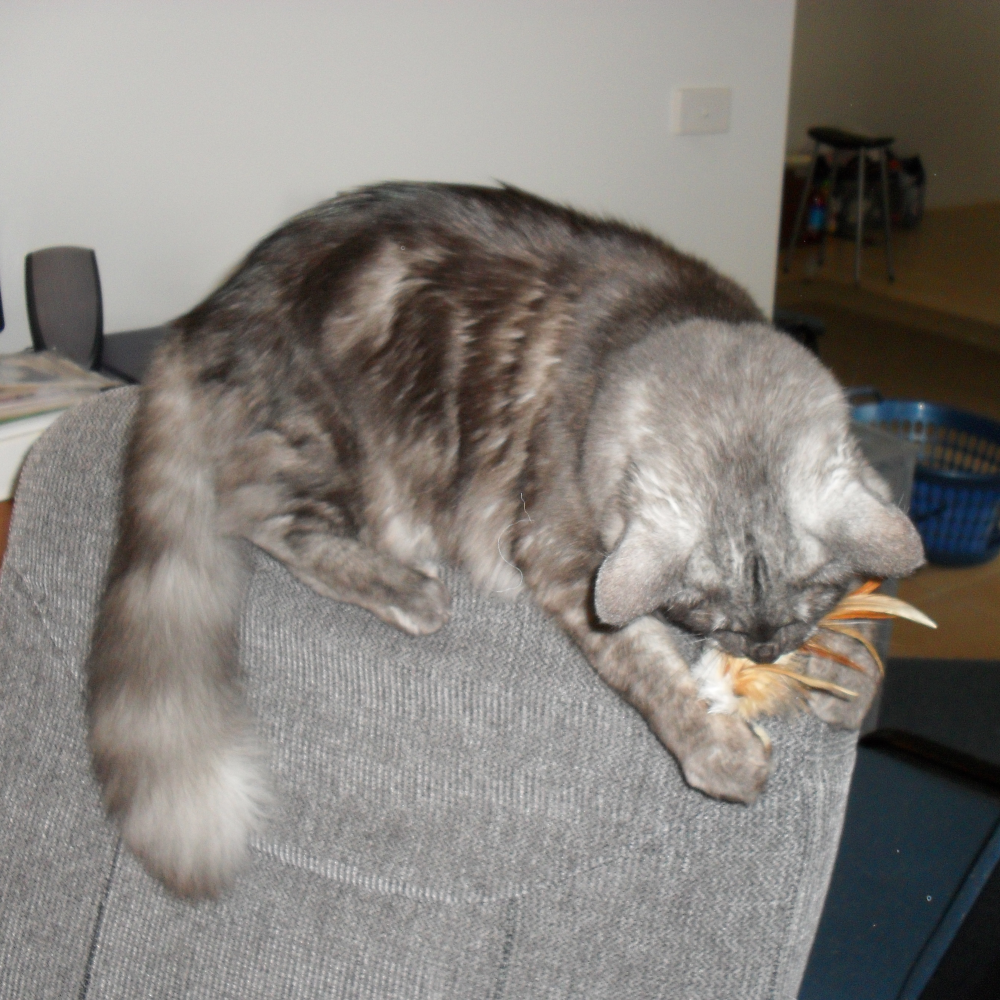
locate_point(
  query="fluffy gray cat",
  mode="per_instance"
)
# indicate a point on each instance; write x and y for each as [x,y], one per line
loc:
[394,379]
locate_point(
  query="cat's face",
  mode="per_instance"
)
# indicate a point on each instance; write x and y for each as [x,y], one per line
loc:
[757,576]
[731,497]
[758,591]
[761,611]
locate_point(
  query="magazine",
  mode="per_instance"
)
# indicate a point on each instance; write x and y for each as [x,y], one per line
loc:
[42,381]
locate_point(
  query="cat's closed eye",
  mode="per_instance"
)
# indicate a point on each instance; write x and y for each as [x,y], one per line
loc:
[763,643]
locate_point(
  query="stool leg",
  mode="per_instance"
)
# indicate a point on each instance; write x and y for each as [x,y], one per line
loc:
[885,215]
[834,167]
[861,216]
[802,208]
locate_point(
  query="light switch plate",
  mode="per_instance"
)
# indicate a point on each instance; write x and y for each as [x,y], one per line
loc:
[700,110]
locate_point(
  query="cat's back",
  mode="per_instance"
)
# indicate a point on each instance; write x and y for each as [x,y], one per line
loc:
[410,217]
[454,310]
[474,240]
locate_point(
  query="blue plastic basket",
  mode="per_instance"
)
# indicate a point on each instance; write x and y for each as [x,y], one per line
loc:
[956,487]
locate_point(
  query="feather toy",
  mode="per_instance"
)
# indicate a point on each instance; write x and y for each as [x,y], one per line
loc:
[774,688]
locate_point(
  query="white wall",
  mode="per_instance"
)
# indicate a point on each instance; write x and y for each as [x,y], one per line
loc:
[171,136]
[924,71]
[834,68]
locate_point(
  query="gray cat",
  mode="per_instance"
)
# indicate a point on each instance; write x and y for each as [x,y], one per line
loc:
[415,373]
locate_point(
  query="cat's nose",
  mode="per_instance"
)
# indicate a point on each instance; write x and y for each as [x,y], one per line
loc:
[764,647]
[765,652]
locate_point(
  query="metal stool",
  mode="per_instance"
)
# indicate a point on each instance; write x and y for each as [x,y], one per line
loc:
[839,141]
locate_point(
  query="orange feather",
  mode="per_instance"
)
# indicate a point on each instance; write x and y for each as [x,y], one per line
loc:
[776,688]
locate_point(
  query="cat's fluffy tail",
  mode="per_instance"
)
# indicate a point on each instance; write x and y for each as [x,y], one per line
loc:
[171,741]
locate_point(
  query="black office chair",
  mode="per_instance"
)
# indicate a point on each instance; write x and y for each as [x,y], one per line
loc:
[840,141]
[65,312]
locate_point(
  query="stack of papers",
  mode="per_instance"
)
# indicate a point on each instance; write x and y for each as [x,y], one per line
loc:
[34,382]
[35,387]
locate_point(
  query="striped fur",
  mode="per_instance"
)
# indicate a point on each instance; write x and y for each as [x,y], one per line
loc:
[416,373]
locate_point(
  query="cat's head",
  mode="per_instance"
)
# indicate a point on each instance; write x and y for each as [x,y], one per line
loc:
[730,495]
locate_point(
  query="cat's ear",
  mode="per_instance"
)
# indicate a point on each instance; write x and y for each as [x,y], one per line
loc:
[874,537]
[639,576]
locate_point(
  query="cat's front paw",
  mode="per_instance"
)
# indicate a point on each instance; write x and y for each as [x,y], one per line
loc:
[840,711]
[420,608]
[726,760]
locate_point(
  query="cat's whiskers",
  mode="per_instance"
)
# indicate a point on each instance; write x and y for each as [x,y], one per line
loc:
[524,520]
